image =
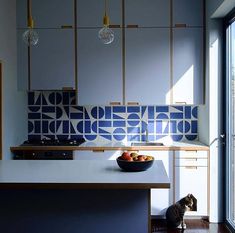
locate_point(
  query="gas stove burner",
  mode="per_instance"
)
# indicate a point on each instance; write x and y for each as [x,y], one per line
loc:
[52,142]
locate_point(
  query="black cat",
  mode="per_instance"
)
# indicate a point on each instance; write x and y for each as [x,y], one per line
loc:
[175,213]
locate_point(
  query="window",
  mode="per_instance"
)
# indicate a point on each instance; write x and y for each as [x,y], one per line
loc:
[230,120]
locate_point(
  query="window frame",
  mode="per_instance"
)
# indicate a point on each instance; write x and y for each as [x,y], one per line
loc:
[228,21]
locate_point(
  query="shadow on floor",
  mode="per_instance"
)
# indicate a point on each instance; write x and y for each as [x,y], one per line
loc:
[193,226]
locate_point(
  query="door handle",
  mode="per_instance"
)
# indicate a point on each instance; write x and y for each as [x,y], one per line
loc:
[115,103]
[132,26]
[191,167]
[223,138]
[98,150]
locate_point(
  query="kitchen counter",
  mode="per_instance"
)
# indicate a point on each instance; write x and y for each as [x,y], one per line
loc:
[188,145]
[80,174]
[76,196]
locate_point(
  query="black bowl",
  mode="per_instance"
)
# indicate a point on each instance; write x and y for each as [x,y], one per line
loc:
[134,166]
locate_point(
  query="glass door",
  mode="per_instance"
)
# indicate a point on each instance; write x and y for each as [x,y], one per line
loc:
[230,123]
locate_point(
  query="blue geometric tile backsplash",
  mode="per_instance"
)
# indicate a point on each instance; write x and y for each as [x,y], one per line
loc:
[54,115]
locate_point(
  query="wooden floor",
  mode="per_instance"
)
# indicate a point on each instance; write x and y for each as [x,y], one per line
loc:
[193,226]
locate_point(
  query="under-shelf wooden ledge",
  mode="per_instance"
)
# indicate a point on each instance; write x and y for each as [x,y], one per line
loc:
[82,148]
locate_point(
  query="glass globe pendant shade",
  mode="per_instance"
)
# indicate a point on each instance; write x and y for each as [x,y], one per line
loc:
[106,35]
[30,37]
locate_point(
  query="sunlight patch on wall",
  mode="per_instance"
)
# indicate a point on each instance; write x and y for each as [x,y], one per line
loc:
[186,80]
[214,77]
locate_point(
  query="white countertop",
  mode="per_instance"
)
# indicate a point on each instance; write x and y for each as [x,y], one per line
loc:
[82,174]
[128,144]
[100,145]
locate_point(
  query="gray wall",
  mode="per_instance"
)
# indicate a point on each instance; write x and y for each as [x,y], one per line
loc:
[213,5]
[213,32]
[210,115]
[14,102]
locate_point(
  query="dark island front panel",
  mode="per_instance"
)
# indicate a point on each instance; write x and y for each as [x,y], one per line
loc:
[74,211]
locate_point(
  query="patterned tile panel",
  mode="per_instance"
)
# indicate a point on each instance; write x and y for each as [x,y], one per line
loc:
[54,115]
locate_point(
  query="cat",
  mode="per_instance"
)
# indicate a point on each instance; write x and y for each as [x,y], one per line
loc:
[175,213]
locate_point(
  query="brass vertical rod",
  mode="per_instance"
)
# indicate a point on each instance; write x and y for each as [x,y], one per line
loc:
[123,55]
[30,18]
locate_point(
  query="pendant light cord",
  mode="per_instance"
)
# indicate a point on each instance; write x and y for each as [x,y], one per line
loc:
[29,9]
[30,18]
[106,18]
[105,7]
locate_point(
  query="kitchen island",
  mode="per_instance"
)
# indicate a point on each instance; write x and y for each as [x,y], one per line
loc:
[76,196]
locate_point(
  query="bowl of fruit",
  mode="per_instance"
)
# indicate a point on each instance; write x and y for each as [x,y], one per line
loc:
[133,162]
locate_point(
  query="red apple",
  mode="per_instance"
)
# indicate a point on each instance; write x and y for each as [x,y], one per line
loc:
[141,158]
[130,159]
[126,156]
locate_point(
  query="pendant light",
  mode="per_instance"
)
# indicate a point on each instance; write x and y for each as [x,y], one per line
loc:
[106,34]
[30,36]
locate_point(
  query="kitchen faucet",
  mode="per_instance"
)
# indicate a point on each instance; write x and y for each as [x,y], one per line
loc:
[146,134]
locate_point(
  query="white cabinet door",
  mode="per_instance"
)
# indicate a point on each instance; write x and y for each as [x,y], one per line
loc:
[53,14]
[22,62]
[188,66]
[161,199]
[188,12]
[46,14]
[96,155]
[21,14]
[90,13]
[52,60]
[192,180]
[147,66]
[99,69]
[191,176]
[147,13]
